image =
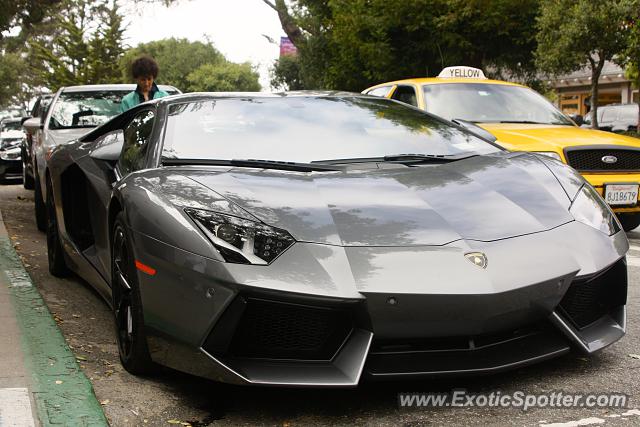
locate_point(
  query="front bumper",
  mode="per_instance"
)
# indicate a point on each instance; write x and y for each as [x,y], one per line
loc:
[314,326]
[10,169]
[598,181]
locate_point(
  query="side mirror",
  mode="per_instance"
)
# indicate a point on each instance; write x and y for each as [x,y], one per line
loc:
[108,147]
[577,118]
[24,119]
[32,124]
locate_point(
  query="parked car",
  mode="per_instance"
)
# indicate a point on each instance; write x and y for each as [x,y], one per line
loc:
[11,137]
[38,112]
[73,111]
[618,117]
[520,119]
[374,240]
[12,113]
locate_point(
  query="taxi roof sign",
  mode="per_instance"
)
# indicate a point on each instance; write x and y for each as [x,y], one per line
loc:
[461,73]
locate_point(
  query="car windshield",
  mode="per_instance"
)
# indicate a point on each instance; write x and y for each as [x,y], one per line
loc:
[12,125]
[85,109]
[306,129]
[491,103]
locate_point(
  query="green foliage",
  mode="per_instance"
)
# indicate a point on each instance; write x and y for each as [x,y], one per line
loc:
[83,46]
[23,13]
[578,33]
[177,58]
[286,74]
[224,77]
[12,66]
[352,44]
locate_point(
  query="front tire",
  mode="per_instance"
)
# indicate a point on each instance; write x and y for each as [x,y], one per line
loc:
[40,208]
[127,304]
[55,252]
[27,180]
[629,221]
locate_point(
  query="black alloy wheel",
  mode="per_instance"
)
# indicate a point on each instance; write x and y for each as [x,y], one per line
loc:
[55,252]
[127,305]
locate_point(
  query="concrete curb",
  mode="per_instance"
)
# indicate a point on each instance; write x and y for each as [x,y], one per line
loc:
[62,393]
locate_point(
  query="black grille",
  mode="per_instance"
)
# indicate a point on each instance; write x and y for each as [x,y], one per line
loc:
[588,300]
[277,330]
[591,159]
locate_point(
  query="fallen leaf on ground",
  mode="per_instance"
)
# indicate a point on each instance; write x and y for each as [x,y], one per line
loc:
[105,402]
[634,356]
[58,382]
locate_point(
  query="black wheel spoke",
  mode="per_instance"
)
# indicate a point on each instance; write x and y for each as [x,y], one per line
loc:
[122,294]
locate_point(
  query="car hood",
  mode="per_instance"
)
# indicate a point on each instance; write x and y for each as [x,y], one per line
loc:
[529,137]
[60,136]
[482,198]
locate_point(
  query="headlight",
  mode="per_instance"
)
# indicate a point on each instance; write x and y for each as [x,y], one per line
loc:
[589,208]
[241,241]
[10,154]
[10,143]
[549,154]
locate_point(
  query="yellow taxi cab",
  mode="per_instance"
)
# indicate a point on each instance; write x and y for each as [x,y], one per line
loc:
[520,119]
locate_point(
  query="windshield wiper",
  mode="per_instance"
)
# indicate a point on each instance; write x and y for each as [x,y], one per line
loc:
[529,122]
[400,158]
[253,163]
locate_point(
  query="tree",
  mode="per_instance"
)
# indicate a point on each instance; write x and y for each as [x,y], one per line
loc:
[285,74]
[630,57]
[351,44]
[177,58]
[23,13]
[573,34]
[11,68]
[84,46]
[224,77]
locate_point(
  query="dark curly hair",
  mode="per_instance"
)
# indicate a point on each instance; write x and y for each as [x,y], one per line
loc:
[144,66]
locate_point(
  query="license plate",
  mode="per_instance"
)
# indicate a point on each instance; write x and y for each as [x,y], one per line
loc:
[621,194]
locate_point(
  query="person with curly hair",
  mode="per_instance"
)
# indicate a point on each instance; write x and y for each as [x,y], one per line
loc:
[144,71]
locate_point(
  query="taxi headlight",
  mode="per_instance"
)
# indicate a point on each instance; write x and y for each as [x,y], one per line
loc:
[589,208]
[10,154]
[241,241]
[551,154]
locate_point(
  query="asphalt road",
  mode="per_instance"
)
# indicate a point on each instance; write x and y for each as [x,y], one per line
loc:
[172,397]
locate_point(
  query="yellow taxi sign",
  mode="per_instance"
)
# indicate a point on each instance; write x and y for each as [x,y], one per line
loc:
[461,72]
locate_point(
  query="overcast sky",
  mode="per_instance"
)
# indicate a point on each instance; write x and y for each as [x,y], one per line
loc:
[234,26]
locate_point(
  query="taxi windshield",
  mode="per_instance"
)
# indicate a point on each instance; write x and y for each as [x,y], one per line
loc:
[491,103]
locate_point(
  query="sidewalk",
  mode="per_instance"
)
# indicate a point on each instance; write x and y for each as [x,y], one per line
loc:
[40,380]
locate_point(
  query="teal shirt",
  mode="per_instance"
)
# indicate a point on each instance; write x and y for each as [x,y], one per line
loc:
[134,98]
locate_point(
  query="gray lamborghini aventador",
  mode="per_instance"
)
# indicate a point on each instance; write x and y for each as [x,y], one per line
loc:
[317,239]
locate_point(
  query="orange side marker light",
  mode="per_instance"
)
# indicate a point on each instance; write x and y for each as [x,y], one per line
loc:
[145,268]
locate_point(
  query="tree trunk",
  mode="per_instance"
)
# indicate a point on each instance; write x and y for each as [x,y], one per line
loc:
[596,70]
[291,29]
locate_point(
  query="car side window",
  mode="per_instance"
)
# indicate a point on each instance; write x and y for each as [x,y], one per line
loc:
[380,91]
[136,142]
[406,94]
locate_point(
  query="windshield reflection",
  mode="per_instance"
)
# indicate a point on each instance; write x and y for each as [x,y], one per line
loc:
[306,129]
[85,109]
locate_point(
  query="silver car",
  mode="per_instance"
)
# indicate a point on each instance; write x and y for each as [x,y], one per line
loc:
[73,111]
[317,239]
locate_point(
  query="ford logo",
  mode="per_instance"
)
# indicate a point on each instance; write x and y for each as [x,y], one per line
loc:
[609,159]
